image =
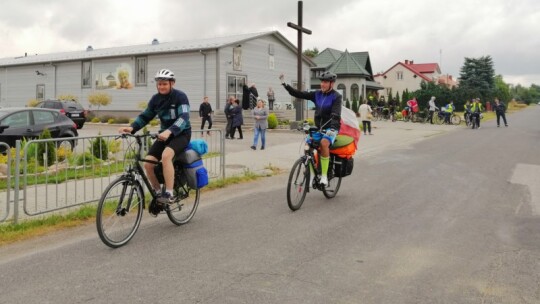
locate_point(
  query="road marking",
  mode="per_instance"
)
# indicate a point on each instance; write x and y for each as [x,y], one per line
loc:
[529,175]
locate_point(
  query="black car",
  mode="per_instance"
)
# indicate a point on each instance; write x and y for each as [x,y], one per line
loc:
[29,123]
[71,109]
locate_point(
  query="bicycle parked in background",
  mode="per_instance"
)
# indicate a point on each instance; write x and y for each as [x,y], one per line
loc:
[439,117]
[121,206]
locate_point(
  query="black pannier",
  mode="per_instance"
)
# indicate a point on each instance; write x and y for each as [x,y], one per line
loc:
[343,166]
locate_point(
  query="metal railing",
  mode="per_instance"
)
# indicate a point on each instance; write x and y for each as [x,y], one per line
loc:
[58,174]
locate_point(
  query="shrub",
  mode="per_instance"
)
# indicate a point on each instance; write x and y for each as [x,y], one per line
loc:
[32,103]
[96,120]
[62,153]
[105,118]
[47,148]
[99,99]
[310,121]
[111,121]
[122,119]
[84,159]
[99,148]
[272,121]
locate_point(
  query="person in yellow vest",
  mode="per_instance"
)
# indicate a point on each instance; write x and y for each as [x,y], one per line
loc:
[476,109]
[448,110]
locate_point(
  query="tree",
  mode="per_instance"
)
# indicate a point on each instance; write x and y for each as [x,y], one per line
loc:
[99,99]
[347,104]
[311,53]
[502,90]
[477,74]
[355,106]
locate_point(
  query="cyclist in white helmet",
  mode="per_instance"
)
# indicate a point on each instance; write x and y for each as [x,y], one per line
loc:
[172,108]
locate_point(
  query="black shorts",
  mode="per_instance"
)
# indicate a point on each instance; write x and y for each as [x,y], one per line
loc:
[178,144]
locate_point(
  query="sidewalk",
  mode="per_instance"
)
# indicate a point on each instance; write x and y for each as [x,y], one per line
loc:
[283,147]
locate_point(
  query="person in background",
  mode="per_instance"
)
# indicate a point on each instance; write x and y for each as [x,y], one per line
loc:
[467,110]
[432,109]
[228,128]
[448,110]
[499,109]
[260,114]
[476,109]
[365,116]
[237,119]
[205,113]
[271,98]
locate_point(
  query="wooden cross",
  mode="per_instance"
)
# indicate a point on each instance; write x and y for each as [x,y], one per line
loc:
[300,29]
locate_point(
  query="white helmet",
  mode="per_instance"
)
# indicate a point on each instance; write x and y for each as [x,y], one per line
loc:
[164,74]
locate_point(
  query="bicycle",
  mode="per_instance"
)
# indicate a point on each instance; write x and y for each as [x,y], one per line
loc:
[474,120]
[440,118]
[300,175]
[121,205]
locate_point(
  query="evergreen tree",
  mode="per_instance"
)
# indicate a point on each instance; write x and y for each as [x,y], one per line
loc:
[478,74]
[347,104]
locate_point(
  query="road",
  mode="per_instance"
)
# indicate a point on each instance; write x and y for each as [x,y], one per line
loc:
[451,219]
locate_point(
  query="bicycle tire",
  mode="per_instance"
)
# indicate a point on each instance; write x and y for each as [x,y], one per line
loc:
[439,120]
[455,119]
[119,211]
[331,190]
[183,210]
[297,185]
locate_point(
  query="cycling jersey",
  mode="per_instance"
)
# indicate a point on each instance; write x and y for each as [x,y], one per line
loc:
[327,106]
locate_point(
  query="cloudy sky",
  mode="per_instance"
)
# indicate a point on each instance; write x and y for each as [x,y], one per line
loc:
[390,30]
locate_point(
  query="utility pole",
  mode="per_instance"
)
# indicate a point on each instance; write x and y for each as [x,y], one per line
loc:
[300,29]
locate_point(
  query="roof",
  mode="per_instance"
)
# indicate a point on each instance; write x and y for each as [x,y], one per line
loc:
[373,85]
[425,67]
[363,59]
[327,57]
[146,49]
[408,67]
[347,65]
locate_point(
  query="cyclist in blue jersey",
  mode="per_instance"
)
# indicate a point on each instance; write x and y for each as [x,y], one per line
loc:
[172,108]
[327,114]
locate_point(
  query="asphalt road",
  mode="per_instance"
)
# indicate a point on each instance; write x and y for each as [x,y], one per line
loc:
[451,219]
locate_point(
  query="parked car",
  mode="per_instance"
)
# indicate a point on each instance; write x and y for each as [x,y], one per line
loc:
[71,109]
[29,123]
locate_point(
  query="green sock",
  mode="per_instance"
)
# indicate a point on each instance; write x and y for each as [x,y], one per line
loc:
[324,165]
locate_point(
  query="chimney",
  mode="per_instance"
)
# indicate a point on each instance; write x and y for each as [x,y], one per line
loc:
[412,62]
[89,48]
[155,41]
[406,61]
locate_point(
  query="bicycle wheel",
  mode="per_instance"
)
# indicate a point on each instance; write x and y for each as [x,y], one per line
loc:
[183,210]
[298,184]
[332,189]
[119,211]
[455,119]
[439,119]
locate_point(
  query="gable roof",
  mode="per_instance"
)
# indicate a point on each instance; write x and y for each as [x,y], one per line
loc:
[408,67]
[327,57]
[347,65]
[147,49]
[363,59]
[425,67]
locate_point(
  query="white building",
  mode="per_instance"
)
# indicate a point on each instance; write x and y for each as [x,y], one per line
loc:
[214,67]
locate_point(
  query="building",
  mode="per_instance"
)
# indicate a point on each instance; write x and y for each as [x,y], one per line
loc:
[214,67]
[355,75]
[407,76]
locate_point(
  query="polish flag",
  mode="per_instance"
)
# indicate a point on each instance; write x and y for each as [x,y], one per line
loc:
[349,125]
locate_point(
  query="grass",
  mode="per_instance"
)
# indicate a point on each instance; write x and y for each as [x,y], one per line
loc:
[28,229]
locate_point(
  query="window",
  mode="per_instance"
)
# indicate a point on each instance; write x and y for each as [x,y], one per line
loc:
[343,89]
[399,75]
[271,64]
[140,68]
[355,92]
[40,91]
[86,74]
[16,120]
[43,117]
[235,85]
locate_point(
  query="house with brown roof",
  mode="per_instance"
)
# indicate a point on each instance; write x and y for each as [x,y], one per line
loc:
[353,70]
[407,76]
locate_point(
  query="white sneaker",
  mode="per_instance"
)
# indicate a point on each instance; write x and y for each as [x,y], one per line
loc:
[324,180]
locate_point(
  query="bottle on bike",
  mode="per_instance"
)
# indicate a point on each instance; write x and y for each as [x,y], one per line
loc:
[327,114]
[172,108]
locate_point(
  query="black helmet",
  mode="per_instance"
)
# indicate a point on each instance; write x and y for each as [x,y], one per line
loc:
[328,76]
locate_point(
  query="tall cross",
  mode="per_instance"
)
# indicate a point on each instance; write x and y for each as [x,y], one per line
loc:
[300,29]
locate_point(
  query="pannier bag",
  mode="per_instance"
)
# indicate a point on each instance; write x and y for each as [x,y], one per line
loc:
[196,173]
[343,166]
[343,146]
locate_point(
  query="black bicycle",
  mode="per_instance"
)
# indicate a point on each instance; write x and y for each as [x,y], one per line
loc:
[299,177]
[120,208]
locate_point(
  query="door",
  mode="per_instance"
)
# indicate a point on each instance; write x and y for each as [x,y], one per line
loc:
[19,126]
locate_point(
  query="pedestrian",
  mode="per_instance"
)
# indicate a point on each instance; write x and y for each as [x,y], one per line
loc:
[205,113]
[432,108]
[228,115]
[237,119]
[500,108]
[260,114]
[271,98]
[365,116]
